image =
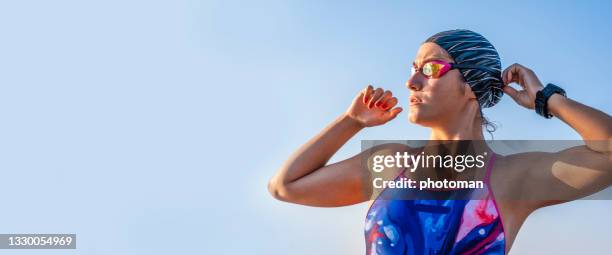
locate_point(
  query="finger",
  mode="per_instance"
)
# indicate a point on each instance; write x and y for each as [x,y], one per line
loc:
[510,72]
[394,112]
[505,74]
[367,92]
[386,95]
[512,92]
[390,103]
[377,94]
[516,74]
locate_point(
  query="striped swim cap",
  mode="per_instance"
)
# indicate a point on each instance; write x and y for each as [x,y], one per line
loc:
[470,48]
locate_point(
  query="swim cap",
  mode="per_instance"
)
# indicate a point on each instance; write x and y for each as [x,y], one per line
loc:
[470,48]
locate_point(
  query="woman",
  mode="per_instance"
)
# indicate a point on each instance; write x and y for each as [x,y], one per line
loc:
[456,73]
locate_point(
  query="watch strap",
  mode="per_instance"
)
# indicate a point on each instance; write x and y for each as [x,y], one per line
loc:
[542,96]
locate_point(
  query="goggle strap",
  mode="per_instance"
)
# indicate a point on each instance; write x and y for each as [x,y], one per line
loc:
[484,68]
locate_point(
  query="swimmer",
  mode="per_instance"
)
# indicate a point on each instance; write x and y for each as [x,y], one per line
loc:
[456,74]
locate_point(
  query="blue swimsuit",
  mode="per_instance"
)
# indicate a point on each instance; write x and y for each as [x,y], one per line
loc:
[427,227]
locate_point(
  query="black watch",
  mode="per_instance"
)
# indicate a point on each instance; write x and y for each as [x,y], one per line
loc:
[541,101]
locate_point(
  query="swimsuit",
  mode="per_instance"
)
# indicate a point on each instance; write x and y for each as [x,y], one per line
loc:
[428,227]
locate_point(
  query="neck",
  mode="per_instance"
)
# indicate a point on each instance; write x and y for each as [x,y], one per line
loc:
[459,127]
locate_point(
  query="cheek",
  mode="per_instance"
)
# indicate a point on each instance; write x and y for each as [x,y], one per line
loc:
[450,85]
[445,96]
[440,91]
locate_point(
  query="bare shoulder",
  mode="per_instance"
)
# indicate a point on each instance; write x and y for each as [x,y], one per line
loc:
[538,166]
[510,174]
[513,167]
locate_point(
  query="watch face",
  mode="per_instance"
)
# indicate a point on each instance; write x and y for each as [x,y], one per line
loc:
[554,89]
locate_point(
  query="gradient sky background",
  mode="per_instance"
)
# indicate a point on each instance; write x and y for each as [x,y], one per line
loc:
[152,127]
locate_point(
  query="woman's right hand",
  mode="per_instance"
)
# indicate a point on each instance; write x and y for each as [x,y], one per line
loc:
[373,107]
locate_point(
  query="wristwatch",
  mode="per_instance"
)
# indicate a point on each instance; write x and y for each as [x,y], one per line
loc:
[541,101]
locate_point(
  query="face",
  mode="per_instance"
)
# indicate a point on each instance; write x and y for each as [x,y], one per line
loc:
[434,101]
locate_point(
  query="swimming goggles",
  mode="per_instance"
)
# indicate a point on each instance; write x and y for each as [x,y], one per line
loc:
[437,68]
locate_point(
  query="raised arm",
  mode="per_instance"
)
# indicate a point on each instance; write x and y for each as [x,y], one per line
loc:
[305,178]
[572,173]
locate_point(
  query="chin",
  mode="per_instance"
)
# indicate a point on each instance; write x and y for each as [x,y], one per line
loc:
[415,118]
[418,118]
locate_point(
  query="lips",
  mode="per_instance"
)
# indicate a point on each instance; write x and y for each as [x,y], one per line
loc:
[415,100]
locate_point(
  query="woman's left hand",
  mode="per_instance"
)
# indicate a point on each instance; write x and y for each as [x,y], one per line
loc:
[527,79]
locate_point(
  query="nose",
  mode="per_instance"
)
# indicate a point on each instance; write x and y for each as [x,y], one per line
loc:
[414,83]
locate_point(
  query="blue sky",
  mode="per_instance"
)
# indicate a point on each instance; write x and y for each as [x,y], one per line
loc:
[153,126]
